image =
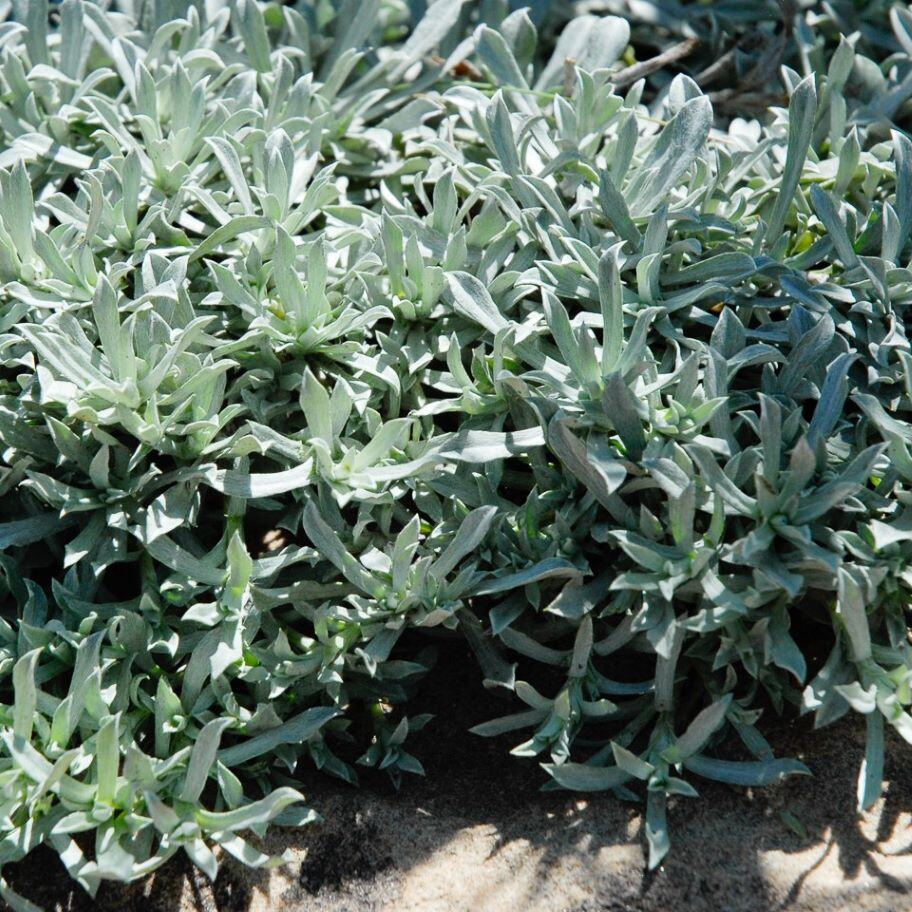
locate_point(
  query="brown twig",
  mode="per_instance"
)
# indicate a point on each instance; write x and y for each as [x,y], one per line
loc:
[631,74]
[735,103]
[569,76]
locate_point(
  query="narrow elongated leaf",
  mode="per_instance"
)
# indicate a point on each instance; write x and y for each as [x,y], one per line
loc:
[295,731]
[802,111]
[745,773]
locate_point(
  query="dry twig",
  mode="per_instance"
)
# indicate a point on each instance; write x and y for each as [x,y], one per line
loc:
[631,74]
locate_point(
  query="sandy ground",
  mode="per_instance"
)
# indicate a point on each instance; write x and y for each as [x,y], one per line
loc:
[477,836]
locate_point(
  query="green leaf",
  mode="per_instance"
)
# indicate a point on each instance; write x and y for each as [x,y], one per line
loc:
[852,611]
[550,568]
[107,759]
[496,55]
[26,694]
[656,828]
[580,777]
[745,773]
[247,18]
[228,157]
[202,759]
[251,815]
[802,113]
[704,725]
[677,148]
[296,730]
[601,476]
[870,776]
[592,42]
[473,301]
[471,533]
[630,762]
[33,529]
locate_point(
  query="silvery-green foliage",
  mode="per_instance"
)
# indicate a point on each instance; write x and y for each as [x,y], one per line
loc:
[594,386]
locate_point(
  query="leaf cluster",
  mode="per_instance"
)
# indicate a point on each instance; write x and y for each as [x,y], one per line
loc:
[324,330]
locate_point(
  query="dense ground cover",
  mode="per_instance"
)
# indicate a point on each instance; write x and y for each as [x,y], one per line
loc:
[331,334]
